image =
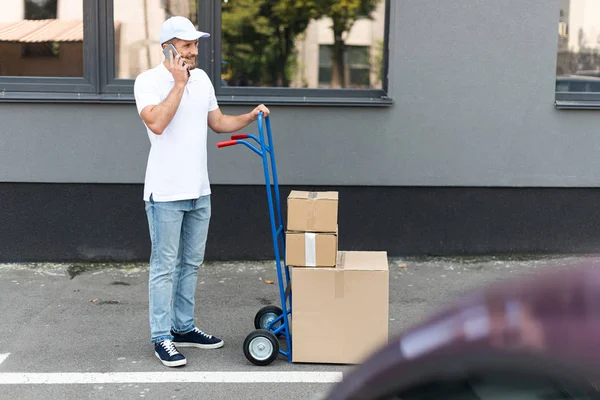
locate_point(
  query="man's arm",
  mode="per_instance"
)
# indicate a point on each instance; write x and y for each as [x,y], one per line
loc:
[157,117]
[221,123]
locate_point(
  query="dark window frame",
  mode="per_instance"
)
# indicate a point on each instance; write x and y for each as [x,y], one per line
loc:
[100,85]
[111,86]
[577,100]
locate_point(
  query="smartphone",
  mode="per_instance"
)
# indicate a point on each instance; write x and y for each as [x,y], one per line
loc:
[171,51]
[167,52]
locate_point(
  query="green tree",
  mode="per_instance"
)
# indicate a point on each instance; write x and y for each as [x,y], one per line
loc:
[289,18]
[244,34]
[343,14]
[259,38]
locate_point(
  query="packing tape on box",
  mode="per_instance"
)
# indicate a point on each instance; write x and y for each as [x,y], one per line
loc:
[310,249]
[312,218]
[339,276]
[341,259]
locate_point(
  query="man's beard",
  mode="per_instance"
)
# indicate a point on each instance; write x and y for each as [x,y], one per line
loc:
[191,63]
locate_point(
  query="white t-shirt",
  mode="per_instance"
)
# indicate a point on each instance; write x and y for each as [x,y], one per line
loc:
[177,163]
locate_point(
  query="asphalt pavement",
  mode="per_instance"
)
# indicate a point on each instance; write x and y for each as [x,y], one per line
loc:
[74,331]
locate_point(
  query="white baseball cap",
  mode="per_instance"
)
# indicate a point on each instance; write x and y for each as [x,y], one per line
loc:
[180,28]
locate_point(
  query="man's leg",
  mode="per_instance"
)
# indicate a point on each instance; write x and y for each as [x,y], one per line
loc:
[194,233]
[164,220]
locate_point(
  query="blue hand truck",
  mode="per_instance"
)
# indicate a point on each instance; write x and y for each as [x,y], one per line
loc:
[261,347]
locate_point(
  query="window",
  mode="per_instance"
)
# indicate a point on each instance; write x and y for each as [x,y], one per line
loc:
[296,50]
[33,34]
[41,9]
[578,54]
[278,51]
[42,47]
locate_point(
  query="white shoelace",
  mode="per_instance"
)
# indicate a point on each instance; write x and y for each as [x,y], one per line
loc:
[169,347]
[202,333]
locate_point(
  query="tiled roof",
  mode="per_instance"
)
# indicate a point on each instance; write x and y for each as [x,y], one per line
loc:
[44,30]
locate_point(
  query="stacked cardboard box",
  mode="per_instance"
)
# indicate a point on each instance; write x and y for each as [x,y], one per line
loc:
[340,299]
[311,236]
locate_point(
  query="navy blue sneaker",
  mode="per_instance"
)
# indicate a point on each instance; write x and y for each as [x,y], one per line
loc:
[167,354]
[197,338]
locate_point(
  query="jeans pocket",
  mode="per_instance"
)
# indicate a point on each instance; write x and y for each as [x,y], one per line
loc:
[151,199]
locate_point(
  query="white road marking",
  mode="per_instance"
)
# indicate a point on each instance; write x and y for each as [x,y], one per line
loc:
[3,357]
[169,377]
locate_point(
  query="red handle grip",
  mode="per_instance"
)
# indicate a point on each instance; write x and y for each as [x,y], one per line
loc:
[240,136]
[227,143]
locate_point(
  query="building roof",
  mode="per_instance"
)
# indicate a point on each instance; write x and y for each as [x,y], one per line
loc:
[44,30]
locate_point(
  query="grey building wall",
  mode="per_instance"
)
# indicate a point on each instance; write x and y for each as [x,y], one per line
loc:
[473,85]
[460,164]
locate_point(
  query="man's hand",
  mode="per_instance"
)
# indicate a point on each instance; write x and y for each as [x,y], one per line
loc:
[228,123]
[178,69]
[257,110]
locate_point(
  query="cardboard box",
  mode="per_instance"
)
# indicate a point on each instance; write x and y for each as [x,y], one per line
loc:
[311,249]
[341,315]
[312,211]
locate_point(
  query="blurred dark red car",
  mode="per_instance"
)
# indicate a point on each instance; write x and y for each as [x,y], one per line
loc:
[534,337]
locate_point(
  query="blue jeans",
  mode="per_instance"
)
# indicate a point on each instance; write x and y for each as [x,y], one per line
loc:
[178,231]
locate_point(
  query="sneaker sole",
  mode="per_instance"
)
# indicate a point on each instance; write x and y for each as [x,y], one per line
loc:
[171,363]
[198,345]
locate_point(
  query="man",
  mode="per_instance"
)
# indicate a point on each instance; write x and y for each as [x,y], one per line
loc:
[176,102]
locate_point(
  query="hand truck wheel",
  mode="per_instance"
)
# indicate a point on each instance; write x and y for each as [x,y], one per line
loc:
[266,315]
[261,347]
